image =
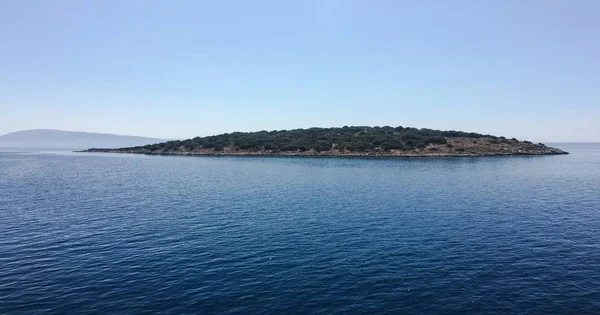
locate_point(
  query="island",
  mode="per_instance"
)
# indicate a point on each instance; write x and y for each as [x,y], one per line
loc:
[354,141]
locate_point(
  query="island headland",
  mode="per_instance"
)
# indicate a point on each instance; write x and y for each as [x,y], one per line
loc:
[355,141]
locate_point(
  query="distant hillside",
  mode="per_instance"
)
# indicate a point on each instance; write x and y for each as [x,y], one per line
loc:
[346,141]
[59,139]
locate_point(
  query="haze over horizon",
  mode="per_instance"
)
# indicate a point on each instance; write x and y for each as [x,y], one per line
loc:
[524,69]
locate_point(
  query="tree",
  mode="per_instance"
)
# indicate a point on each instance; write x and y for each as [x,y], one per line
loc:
[289,147]
[360,146]
[322,145]
[435,140]
[410,136]
[270,146]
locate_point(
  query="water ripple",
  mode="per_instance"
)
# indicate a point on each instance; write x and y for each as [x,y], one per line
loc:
[114,234]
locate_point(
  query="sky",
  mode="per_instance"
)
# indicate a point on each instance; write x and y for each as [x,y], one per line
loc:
[179,69]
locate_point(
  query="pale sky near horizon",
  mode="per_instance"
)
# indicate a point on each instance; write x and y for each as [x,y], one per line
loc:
[178,69]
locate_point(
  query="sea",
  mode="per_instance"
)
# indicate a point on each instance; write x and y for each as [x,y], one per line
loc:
[91,233]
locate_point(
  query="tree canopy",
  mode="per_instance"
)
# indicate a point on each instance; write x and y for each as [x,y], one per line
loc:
[355,138]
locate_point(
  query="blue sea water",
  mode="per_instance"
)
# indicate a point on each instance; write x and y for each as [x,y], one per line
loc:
[122,234]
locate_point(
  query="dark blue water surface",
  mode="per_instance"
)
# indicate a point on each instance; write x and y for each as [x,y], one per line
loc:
[109,234]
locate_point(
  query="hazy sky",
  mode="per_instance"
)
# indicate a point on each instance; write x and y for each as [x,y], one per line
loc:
[178,69]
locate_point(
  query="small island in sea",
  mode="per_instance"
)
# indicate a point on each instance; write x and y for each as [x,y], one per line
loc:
[345,141]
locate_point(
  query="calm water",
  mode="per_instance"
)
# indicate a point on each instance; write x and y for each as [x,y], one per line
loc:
[109,234]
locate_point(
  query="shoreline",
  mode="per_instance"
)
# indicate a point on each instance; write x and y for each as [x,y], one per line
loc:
[328,154]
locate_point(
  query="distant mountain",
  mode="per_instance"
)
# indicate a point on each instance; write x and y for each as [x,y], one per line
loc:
[59,139]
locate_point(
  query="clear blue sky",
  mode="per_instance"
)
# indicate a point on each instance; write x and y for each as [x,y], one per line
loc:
[178,69]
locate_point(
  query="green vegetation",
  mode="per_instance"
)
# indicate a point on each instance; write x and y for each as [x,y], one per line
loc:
[352,139]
